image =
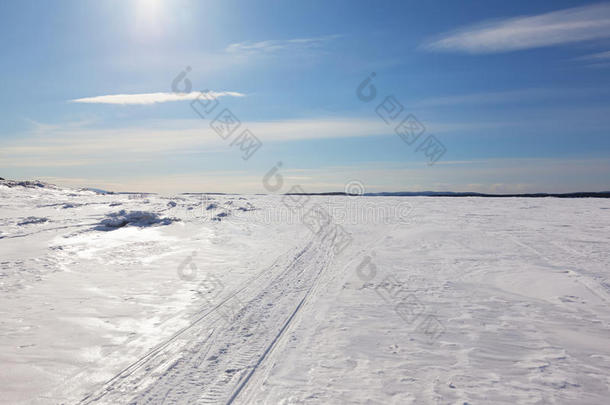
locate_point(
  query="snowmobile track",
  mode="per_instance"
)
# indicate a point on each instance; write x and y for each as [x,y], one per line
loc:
[213,361]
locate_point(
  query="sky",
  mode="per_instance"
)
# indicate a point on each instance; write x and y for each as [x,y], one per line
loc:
[487,96]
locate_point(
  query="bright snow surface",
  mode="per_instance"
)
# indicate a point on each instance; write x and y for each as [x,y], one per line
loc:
[113,298]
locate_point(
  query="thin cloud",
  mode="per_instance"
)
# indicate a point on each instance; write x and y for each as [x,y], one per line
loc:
[273,46]
[526,32]
[72,142]
[152,98]
[596,56]
[486,98]
[519,96]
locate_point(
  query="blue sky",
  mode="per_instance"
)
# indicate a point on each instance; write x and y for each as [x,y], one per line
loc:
[516,92]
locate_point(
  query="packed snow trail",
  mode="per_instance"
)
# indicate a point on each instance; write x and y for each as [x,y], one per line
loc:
[212,360]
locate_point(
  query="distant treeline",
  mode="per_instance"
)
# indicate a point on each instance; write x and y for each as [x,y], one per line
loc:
[601,194]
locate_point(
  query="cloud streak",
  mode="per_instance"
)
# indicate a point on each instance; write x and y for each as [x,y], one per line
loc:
[274,46]
[596,56]
[153,98]
[519,96]
[526,32]
[70,144]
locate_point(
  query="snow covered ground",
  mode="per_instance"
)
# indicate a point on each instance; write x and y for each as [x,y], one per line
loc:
[116,298]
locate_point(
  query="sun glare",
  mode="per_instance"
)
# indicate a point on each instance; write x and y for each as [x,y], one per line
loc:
[149,17]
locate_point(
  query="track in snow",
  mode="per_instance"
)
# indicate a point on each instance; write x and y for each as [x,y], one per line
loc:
[212,360]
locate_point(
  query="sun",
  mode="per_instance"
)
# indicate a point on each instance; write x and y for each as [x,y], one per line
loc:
[149,16]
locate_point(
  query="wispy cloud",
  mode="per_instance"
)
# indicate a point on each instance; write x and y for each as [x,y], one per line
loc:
[525,32]
[152,98]
[520,96]
[88,143]
[75,143]
[85,145]
[274,46]
[69,145]
[596,56]
[485,98]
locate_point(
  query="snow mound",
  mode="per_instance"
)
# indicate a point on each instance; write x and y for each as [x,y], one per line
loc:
[33,220]
[134,218]
[247,207]
[27,184]
[220,216]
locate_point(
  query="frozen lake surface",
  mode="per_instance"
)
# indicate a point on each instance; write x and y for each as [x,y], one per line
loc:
[116,299]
